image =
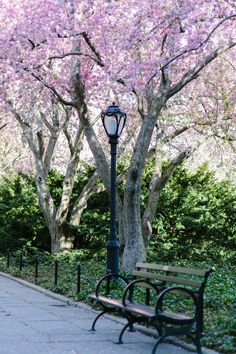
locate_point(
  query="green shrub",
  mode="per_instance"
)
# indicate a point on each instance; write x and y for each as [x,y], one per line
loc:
[196,218]
[21,220]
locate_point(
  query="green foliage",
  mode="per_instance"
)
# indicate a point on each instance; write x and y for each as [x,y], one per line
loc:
[220,309]
[21,221]
[196,218]
[93,230]
[55,182]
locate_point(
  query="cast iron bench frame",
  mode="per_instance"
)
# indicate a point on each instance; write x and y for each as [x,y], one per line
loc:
[158,278]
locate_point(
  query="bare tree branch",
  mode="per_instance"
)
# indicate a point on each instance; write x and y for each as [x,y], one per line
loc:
[62,56]
[191,49]
[193,73]
[92,47]
[46,122]
[66,132]
[3,126]
[177,132]
[80,204]
[56,93]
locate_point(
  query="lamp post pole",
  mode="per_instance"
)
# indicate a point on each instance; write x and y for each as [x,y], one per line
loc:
[113,120]
[113,243]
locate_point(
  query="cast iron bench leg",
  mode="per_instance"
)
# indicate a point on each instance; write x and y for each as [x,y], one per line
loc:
[162,337]
[130,325]
[98,316]
[198,345]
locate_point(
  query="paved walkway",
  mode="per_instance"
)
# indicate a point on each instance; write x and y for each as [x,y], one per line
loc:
[34,322]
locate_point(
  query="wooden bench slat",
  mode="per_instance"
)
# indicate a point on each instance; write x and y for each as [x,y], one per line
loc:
[176,269]
[141,309]
[167,278]
[107,300]
[145,285]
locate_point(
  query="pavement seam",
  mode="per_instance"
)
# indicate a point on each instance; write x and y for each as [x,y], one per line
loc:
[117,319]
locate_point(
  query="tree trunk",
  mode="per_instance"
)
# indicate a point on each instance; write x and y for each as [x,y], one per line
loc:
[153,194]
[158,182]
[81,202]
[134,244]
[61,242]
[134,249]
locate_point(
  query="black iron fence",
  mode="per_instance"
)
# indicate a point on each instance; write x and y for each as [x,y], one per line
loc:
[39,267]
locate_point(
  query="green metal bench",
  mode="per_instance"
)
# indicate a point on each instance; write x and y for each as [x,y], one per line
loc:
[168,298]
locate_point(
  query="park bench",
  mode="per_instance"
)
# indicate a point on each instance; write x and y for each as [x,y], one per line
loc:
[166,297]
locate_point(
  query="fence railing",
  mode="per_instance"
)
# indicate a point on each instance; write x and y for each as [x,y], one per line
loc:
[20,261]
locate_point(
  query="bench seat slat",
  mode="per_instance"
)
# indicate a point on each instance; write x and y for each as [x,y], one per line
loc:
[175,269]
[167,278]
[143,310]
[107,300]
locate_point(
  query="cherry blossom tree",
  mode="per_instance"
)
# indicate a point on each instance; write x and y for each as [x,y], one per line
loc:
[48,129]
[44,122]
[139,53]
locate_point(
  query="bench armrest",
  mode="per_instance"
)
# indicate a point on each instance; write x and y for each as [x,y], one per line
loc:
[129,289]
[182,290]
[110,276]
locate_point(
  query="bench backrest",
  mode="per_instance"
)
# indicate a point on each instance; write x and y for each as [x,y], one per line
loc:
[169,275]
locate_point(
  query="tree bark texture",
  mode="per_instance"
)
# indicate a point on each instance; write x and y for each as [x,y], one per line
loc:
[134,243]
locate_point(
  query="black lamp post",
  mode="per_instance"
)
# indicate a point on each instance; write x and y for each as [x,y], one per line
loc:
[113,120]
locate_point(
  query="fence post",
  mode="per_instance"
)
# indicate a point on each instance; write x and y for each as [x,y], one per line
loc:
[36,267]
[78,277]
[56,272]
[21,261]
[8,258]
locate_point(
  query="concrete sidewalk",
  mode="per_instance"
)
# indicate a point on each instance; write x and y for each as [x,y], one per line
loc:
[34,320]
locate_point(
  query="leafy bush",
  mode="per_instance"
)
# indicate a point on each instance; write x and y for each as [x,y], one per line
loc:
[21,220]
[196,219]
[220,309]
